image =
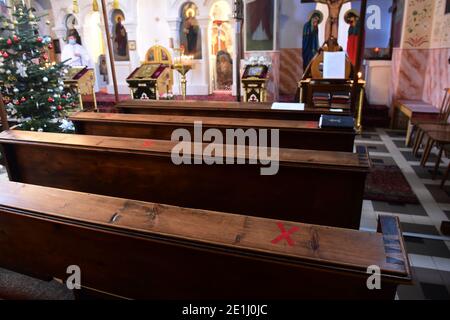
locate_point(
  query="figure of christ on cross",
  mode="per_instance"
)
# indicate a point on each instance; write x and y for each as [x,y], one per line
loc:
[332,25]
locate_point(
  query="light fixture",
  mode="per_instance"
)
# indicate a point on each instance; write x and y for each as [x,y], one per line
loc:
[76,8]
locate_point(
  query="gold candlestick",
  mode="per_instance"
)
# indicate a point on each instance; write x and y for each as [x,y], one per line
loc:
[183,65]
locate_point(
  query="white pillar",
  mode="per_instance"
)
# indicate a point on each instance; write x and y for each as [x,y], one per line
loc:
[174,25]
[204,25]
[131,28]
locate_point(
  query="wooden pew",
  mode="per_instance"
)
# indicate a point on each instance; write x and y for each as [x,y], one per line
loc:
[221,109]
[293,134]
[318,187]
[144,250]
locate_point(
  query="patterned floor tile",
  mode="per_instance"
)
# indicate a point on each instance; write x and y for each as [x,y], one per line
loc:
[396,133]
[384,161]
[419,229]
[369,136]
[400,143]
[374,147]
[427,173]
[434,291]
[439,195]
[447,213]
[427,247]
[413,292]
[412,209]
[409,156]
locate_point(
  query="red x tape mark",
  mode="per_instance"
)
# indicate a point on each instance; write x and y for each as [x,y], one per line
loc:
[148,144]
[285,234]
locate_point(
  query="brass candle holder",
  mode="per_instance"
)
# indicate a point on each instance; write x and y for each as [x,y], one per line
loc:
[183,65]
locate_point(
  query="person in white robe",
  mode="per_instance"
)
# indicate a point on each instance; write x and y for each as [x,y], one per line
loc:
[75,55]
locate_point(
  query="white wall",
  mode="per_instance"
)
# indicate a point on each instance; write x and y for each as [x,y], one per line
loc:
[293,16]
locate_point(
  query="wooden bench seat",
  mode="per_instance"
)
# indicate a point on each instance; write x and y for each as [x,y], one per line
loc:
[319,187]
[293,134]
[221,109]
[414,110]
[143,250]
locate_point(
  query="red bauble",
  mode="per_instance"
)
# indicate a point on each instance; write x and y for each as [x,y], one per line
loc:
[39,39]
[23,100]
[50,46]
[50,99]
[16,38]
[59,108]
[9,42]
[16,102]
[5,55]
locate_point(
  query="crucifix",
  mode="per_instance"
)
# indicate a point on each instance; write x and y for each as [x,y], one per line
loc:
[332,25]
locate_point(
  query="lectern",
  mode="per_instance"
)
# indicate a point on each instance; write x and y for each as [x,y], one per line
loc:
[149,80]
[254,81]
[81,81]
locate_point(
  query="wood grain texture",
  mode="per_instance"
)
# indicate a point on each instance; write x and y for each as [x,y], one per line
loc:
[116,242]
[128,168]
[221,109]
[292,134]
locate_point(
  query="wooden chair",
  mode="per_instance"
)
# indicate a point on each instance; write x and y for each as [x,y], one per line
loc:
[421,126]
[439,138]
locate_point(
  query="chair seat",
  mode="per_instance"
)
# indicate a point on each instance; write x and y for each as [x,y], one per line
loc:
[435,119]
[442,137]
[433,126]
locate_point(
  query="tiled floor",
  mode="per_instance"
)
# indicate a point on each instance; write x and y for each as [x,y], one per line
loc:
[429,256]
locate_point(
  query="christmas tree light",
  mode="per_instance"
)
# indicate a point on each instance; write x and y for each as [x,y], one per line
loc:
[32,87]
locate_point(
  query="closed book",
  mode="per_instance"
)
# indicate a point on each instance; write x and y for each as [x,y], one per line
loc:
[343,122]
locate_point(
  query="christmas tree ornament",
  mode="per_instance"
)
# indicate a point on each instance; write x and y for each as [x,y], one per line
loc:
[45,79]
[9,42]
[21,69]
[5,55]
[39,39]
[16,39]
[51,100]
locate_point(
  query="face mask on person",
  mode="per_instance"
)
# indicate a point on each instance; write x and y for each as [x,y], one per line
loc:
[72,42]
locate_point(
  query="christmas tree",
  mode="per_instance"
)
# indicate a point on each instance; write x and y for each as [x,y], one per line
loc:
[32,86]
